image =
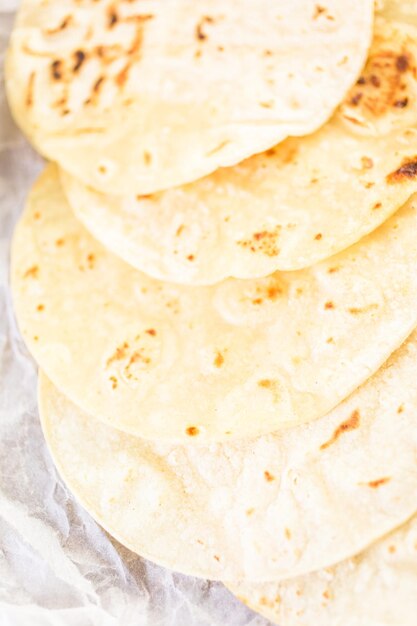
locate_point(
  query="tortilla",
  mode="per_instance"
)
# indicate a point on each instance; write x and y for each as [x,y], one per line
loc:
[238,359]
[264,509]
[375,588]
[139,96]
[290,207]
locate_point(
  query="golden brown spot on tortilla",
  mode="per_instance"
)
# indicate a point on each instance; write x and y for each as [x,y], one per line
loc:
[250,512]
[29,90]
[271,152]
[40,307]
[219,360]
[268,477]
[123,75]
[59,242]
[147,158]
[112,17]
[377,205]
[57,69]
[217,557]
[36,338]
[319,10]
[263,242]
[108,54]
[151,331]
[356,99]
[374,484]
[274,289]
[263,601]
[114,382]
[120,353]
[407,171]
[271,291]
[367,163]
[61,102]
[180,230]
[365,309]
[98,84]
[200,542]
[400,408]
[392,549]
[137,357]
[333,270]
[273,386]
[62,26]
[287,533]
[318,237]
[79,58]
[329,305]
[32,272]
[330,340]
[266,105]
[289,155]
[265,383]
[351,423]
[381,85]
[200,33]
[326,594]
[402,63]
[192,431]
[91,259]
[37,216]
[221,145]
[190,257]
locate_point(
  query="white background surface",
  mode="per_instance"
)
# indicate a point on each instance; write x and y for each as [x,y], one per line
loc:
[57,567]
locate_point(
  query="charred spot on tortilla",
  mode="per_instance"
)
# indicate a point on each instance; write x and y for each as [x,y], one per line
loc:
[406,171]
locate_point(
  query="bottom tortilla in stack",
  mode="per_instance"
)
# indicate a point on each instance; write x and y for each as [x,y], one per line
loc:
[257,510]
[377,587]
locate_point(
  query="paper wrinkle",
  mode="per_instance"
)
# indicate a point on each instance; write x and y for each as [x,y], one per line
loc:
[57,566]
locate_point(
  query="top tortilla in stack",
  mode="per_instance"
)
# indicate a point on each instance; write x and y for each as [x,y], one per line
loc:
[139,96]
[293,205]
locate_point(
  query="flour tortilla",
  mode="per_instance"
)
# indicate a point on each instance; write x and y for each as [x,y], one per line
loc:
[264,509]
[291,206]
[375,588]
[139,96]
[239,359]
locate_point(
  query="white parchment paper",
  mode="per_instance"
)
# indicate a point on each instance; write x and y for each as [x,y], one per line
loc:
[57,566]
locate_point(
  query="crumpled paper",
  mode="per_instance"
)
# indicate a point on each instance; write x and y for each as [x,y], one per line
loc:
[57,566]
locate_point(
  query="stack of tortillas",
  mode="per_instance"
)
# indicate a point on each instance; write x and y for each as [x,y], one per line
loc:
[217,275]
